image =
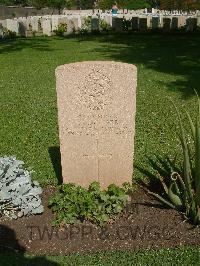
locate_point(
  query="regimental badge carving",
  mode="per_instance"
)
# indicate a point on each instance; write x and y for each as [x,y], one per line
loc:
[96,94]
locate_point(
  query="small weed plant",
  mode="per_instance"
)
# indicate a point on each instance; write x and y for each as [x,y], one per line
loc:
[73,202]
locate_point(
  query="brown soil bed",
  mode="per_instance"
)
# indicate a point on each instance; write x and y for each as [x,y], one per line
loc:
[145,224]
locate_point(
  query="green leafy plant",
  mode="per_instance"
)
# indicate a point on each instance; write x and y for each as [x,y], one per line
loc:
[183,189]
[72,203]
[86,27]
[104,25]
[61,29]
[19,196]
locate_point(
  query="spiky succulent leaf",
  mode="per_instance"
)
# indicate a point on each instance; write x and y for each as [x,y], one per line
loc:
[197,161]
[175,199]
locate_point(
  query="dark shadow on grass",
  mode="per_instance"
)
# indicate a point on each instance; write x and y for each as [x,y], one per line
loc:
[8,241]
[175,54]
[12,252]
[55,156]
[18,44]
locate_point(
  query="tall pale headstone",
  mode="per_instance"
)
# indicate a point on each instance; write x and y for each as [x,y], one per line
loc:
[46,25]
[12,25]
[96,113]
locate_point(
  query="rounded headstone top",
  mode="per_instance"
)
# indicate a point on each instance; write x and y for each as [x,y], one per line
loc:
[85,64]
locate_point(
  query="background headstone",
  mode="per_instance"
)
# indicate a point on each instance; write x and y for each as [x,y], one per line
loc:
[22,27]
[135,23]
[29,29]
[155,22]
[54,22]
[181,21]
[118,24]
[94,24]
[191,24]
[34,23]
[12,25]
[75,24]
[142,24]
[96,113]
[39,31]
[46,25]
[174,25]
[166,24]
[70,25]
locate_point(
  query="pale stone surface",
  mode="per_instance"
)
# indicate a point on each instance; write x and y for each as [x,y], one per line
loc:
[46,25]
[75,23]
[96,113]
[12,25]
[34,23]
[107,18]
[181,21]
[72,25]
[54,22]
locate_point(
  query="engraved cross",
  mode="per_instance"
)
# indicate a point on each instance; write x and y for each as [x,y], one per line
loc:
[98,156]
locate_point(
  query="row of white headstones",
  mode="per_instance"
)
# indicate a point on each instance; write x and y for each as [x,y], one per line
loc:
[46,25]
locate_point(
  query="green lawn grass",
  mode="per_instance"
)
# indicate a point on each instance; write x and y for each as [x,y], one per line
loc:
[178,256]
[168,68]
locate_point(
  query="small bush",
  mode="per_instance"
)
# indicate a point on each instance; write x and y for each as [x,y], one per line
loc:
[104,25]
[86,27]
[8,34]
[73,202]
[61,30]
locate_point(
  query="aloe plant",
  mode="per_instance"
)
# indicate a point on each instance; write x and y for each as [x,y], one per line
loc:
[183,190]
